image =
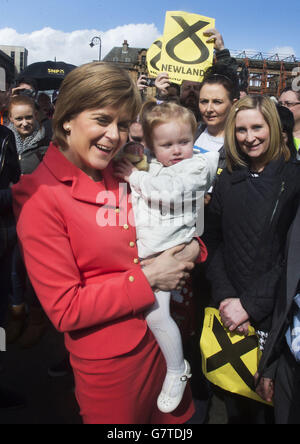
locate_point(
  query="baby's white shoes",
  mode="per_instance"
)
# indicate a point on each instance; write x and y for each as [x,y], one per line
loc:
[173,390]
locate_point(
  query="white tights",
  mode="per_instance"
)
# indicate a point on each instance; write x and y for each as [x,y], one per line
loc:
[166,332]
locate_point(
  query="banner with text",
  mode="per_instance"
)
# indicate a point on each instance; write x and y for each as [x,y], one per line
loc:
[185,54]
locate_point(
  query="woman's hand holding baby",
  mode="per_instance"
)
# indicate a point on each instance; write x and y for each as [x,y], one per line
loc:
[124,169]
[165,272]
[190,253]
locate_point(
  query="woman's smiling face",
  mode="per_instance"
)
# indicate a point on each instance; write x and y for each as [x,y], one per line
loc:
[252,134]
[94,137]
[23,117]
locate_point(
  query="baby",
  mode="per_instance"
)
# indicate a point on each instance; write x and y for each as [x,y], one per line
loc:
[177,175]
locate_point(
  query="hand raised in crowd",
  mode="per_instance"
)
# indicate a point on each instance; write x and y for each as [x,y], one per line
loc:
[216,38]
[20,89]
[165,272]
[233,315]
[141,83]
[162,83]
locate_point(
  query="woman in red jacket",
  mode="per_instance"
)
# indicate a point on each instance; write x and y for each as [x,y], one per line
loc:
[79,243]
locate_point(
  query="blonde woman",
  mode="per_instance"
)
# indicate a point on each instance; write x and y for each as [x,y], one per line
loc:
[86,273]
[252,208]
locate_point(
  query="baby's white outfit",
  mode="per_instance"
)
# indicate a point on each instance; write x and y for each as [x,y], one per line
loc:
[166,202]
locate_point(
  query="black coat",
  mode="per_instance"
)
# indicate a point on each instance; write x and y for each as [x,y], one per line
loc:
[246,230]
[283,309]
[9,173]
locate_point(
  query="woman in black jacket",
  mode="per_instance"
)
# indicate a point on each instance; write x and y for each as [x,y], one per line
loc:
[9,173]
[253,205]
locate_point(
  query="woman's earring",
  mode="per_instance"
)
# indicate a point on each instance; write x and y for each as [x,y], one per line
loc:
[67,128]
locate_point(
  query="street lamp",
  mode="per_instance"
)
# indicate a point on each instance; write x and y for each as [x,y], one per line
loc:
[92,44]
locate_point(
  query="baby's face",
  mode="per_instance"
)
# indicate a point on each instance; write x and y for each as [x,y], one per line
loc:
[173,142]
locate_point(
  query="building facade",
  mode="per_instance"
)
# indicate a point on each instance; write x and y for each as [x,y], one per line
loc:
[18,54]
[7,71]
[132,59]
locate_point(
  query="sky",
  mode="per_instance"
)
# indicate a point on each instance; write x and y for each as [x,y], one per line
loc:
[63,29]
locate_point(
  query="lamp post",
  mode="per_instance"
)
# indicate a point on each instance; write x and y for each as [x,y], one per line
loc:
[92,44]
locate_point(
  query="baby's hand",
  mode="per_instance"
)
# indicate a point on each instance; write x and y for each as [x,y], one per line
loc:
[124,169]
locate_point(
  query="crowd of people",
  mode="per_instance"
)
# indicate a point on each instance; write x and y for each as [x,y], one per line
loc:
[100,199]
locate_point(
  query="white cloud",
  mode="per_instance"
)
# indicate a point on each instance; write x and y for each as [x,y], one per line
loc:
[73,47]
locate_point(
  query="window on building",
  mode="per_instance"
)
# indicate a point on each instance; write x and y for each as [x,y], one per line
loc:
[115,59]
[13,55]
[22,61]
[127,60]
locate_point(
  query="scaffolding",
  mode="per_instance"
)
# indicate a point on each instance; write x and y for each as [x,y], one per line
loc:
[268,73]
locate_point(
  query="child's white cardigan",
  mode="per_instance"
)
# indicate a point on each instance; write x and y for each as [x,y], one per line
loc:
[166,201]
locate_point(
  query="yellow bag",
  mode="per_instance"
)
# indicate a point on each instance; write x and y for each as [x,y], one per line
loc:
[229,360]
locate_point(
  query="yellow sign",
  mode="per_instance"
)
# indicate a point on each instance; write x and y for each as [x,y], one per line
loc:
[229,360]
[154,56]
[185,54]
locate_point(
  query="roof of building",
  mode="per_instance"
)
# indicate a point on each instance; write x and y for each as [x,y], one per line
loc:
[123,54]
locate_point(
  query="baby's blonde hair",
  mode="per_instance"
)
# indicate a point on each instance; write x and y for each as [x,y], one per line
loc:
[153,115]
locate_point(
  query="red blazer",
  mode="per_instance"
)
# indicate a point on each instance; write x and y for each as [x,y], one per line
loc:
[86,276]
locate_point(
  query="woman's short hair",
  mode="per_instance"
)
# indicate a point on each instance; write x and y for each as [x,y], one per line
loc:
[290,88]
[277,148]
[20,100]
[91,86]
[224,75]
[153,115]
